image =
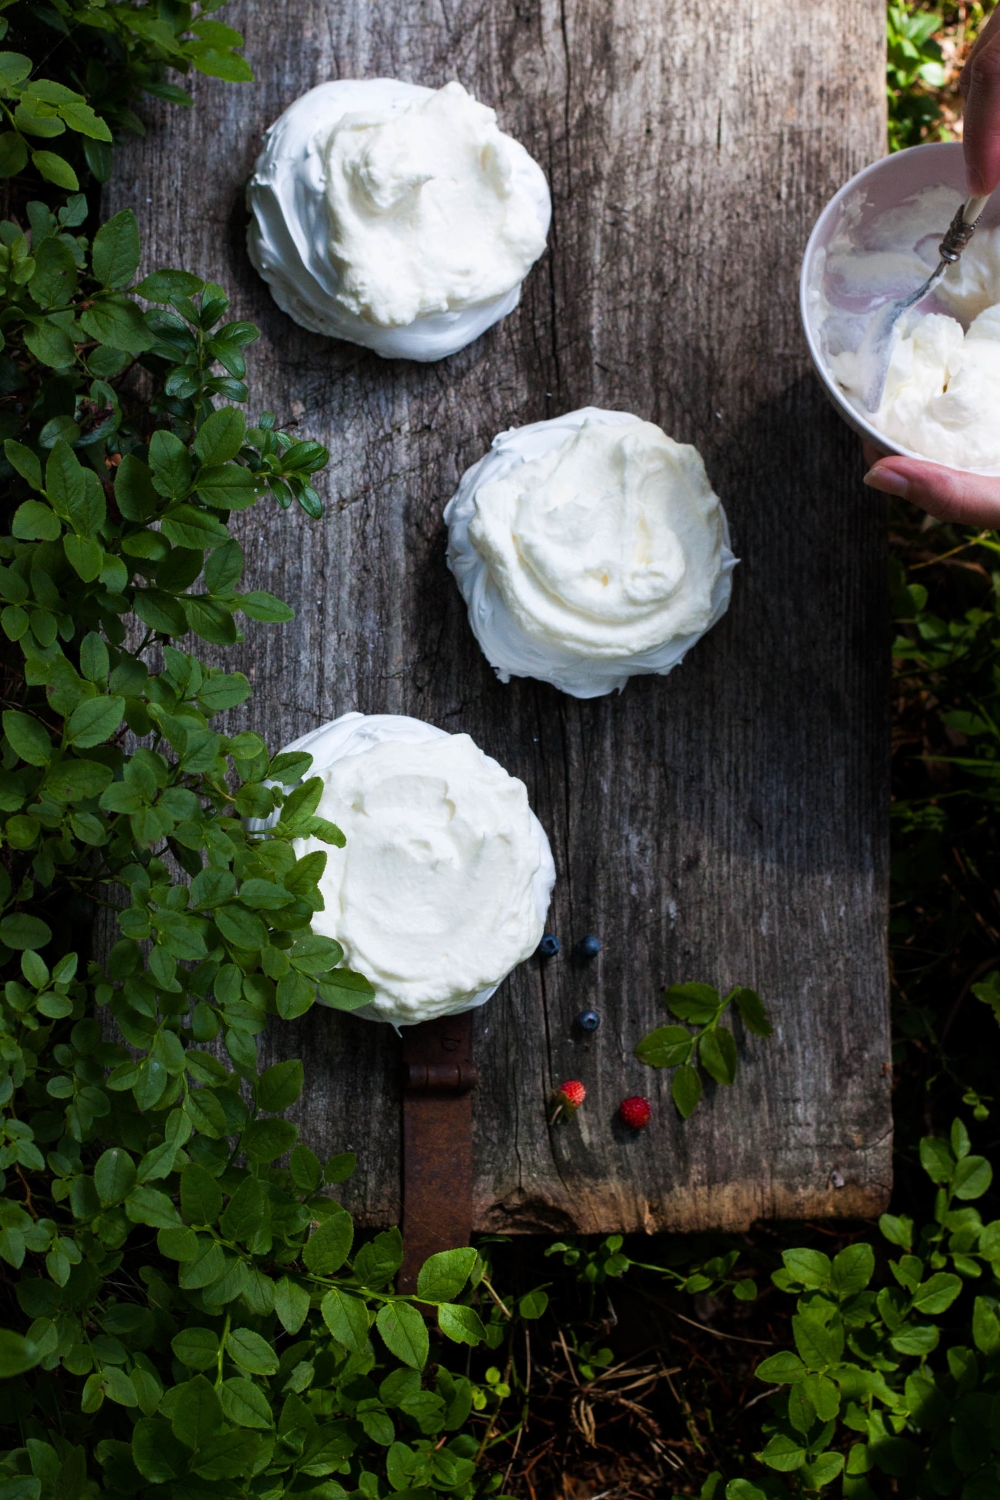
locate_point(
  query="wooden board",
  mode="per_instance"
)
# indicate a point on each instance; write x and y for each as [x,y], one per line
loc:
[727,824]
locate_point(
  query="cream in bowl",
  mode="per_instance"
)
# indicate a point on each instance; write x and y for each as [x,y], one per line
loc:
[877,241]
[442,886]
[397,217]
[589,549]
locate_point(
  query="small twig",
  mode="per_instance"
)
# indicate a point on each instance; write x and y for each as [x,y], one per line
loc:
[569,1362]
[28,1203]
[502,1305]
[717,1335]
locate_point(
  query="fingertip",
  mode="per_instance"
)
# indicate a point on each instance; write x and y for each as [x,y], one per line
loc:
[887,480]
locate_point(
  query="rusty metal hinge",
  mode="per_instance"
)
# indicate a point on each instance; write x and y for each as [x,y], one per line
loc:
[439,1075]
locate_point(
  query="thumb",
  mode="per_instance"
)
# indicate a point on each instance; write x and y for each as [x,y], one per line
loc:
[948,494]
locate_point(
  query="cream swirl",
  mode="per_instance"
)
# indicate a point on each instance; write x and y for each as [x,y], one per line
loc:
[443,884]
[589,548]
[395,216]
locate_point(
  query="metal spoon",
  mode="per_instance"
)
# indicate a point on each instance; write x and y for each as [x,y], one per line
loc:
[876,346]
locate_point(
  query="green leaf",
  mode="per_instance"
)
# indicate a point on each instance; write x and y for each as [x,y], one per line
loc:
[985,1327]
[936,1159]
[442,1276]
[228,486]
[461,1324]
[259,605]
[116,321]
[35,521]
[697,1003]
[811,1268]
[201,1195]
[195,1412]
[972,1177]
[27,737]
[114,1176]
[251,1352]
[243,928]
[752,1012]
[685,1089]
[84,555]
[783,1453]
[94,720]
[224,569]
[146,1205]
[898,1231]
[196,1347]
[17,1354]
[781,1369]
[21,931]
[55,169]
[134,491]
[81,118]
[115,252]
[347,1319]
[316,955]
[13,153]
[279,1086]
[329,1246]
[820,1345]
[244,1403]
[291,1303]
[160,286]
[822,1470]
[404,1333]
[221,436]
[717,1054]
[852,1270]
[27,463]
[14,69]
[339,1168]
[937,1293]
[266,1139]
[247,1209]
[221,63]
[187,526]
[666,1047]
[156,1452]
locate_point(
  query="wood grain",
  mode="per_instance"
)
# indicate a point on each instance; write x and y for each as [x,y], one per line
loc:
[726,824]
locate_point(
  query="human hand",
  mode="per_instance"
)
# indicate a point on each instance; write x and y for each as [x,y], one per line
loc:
[980,84]
[948,494]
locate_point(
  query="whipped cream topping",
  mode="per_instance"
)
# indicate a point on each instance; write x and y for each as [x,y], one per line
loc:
[395,216]
[942,391]
[443,884]
[589,549]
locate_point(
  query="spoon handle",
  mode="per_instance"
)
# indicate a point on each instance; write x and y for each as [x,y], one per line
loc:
[962,228]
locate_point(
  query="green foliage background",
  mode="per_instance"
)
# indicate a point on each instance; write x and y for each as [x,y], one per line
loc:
[182,1315]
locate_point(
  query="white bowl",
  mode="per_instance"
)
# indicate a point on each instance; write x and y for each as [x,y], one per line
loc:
[886,184]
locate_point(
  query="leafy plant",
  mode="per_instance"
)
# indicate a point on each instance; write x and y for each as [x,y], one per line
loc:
[713,1047]
[915,71]
[862,1395]
[184,1314]
[708,1276]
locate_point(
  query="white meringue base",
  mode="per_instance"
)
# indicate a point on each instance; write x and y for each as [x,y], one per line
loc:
[353,734]
[288,234]
[507,647]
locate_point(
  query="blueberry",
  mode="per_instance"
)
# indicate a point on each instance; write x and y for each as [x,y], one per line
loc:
[588,1020]
[549,946]
[588,947]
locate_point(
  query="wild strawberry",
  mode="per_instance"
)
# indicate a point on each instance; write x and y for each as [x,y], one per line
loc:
[635,1112]
[568,1098]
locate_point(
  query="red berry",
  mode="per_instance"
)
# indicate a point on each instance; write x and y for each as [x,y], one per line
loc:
[572,1093]
[635,1112]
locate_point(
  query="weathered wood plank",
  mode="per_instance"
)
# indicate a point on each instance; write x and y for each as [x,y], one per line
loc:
[726,824]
